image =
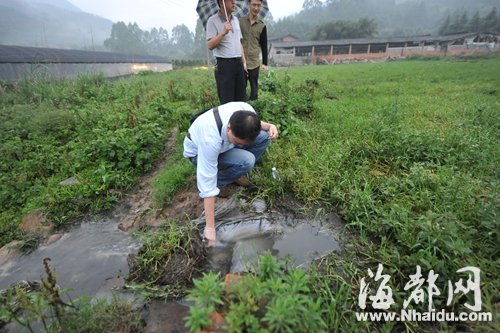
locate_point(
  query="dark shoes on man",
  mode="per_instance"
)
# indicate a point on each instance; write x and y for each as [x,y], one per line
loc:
[227,191]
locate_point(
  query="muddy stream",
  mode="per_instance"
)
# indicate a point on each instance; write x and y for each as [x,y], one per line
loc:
[91,258]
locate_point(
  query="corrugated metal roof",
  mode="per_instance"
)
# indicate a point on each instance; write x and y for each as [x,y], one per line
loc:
[414,39]
[24,54]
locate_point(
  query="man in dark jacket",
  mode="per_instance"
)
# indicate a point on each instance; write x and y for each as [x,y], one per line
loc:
[254,42]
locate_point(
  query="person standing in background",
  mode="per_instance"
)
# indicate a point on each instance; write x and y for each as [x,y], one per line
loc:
[224,39]
[254,43]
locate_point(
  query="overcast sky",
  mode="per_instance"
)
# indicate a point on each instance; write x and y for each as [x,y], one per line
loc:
[166,13]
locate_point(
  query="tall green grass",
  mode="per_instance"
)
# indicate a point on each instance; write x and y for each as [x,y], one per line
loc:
[105,133]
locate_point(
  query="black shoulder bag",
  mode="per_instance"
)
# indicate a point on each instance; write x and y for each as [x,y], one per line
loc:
[216,116]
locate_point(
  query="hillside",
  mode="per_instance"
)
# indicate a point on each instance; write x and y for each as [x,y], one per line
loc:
[39,22]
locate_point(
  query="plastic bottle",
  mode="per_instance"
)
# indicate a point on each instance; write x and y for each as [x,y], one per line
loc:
[275,174]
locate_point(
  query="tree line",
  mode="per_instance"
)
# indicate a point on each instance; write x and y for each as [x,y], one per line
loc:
[392,17]
[460,22]
[182,44]
[341,29]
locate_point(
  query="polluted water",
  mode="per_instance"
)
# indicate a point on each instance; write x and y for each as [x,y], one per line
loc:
[243,237]
[84,259]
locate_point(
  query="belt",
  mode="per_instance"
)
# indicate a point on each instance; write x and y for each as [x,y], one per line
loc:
[228,59]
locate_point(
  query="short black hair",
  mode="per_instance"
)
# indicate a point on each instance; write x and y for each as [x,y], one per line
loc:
[245,125]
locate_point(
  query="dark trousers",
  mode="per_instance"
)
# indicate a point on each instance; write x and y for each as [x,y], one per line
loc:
[230,79]
[253,78]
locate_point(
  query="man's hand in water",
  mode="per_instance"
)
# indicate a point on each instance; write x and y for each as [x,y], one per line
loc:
[210,235]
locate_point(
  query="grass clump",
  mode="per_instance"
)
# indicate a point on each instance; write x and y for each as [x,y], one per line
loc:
[170,180]
[168,260]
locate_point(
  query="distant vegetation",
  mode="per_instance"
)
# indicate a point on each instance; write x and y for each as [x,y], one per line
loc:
[392,17]
[363,28]
[182,44]
[460,22]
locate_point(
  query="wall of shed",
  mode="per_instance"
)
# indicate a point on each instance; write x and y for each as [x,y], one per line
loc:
[12,72]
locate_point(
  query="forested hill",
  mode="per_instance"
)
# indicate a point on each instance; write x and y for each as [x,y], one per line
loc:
[50,23]
[393,17]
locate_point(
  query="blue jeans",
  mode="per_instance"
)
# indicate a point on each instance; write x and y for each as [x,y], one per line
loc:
[239,160]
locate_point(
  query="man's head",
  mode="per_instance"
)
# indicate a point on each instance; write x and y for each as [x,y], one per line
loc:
[254,6]
[243,128]
[230,5]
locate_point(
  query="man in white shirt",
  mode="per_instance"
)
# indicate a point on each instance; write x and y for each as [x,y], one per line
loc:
[224,39]
[224,143]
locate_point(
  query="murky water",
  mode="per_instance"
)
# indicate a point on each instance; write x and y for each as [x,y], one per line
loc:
[87,257]
[243,238]
[84,258]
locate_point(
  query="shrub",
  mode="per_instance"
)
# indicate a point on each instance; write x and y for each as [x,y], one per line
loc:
[272,300]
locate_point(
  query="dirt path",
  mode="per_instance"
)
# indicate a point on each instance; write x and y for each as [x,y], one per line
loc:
[139,202]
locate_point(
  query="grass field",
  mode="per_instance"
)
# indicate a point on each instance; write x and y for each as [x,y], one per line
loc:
[406,152]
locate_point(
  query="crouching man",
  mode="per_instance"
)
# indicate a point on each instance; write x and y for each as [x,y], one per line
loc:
[224,143]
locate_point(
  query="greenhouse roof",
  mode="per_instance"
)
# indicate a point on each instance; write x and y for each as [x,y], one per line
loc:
[24,54]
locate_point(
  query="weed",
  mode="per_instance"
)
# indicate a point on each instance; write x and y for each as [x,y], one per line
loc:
[199,317]
[272,300]
[44,309]
[169,257]
[207,296]
[208,290]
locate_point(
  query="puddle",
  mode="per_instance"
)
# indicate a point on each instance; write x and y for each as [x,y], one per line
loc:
[242,239]
[84,259]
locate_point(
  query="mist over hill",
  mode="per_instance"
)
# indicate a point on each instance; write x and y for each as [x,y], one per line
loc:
[51,23]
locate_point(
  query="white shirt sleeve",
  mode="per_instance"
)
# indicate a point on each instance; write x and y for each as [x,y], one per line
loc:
[206,170]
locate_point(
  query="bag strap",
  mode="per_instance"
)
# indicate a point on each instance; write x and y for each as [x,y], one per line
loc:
[218,120]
